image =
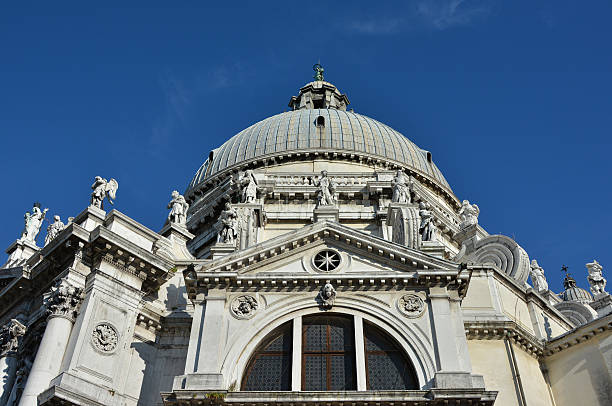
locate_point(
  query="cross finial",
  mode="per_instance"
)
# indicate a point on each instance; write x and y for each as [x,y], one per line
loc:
[318,71]
[564,269]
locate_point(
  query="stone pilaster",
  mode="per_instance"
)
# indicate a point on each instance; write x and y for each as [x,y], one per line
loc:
[10,341]
[62,303]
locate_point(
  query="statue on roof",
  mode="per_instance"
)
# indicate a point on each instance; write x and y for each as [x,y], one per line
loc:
[248,183]
[102,189]
[178,209]
[54,229]
[318,72]
[33,222]
[229,225]
[327,190]
[468,214]
[537,277]
[401,188]
[427,228]
[595,278]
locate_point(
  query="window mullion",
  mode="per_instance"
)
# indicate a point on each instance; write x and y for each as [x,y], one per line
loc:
[296,355]
[360,354]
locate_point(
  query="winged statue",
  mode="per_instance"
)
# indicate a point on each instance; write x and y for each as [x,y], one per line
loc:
[102,189]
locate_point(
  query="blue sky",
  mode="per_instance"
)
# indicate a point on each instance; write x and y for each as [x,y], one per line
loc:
[512,97]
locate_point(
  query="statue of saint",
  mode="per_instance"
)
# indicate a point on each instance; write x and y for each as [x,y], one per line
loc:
[178,209]
[101,188]
[427,228]
[33,222]
[318,72]
[54,229]
[249,187]
[327,190]
[401,188]
[595,278]
[469,214]
[229,225]
[537,277]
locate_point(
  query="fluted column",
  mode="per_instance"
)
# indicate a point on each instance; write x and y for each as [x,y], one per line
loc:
[10,337]
[62,302]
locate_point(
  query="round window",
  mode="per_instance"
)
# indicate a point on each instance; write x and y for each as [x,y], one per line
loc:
[327,260]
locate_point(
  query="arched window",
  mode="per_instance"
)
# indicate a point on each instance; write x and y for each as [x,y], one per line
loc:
[320,121]
[328,358]
[270,367]
[387,367]
[328,353]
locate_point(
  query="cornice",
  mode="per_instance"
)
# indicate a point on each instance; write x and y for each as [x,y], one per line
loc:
[498,330]
[579,335]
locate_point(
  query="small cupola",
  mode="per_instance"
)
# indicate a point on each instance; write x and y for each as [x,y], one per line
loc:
[319,94]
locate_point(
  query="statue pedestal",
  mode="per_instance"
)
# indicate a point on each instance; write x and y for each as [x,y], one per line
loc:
[221,249]
[90,218]
[468,233]
[19,252]
[602,304]
[326,213]
[433,248]
[176,233]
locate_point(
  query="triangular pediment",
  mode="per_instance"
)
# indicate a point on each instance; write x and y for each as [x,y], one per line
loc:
[290,253]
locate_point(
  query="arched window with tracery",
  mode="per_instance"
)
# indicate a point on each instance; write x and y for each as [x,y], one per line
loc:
[327,348]
[270,367]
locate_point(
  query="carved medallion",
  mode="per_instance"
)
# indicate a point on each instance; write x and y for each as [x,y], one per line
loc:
[105,338]
[411,305]
[244,307]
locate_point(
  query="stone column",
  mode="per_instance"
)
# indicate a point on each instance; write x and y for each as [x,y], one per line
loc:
[62,303]
[10,337]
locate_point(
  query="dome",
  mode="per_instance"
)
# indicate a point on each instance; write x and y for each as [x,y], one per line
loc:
[319,123]
[573,293]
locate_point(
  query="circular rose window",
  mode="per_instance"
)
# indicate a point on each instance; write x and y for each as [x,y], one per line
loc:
[326,260]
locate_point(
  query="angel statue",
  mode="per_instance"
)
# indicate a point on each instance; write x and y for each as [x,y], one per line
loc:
[101,188]
[595,278]
[54,229]
[248,183]
[327,190]
[33,222]
[229,224]
[178,209]
[427,228]
[401,188]
[537,277]
[469,214]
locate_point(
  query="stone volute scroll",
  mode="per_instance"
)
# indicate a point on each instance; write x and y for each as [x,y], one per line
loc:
[411,305]
[596,280]
[244,306]
[105,338]
[538,279]
[103,189]
[178,209]
[327,296]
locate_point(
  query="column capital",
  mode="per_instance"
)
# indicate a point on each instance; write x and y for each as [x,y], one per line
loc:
[10,337]
[63,300]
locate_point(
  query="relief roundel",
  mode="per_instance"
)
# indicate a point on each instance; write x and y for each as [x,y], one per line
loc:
[326,261]
[244,307]
[411,305]
[105,338]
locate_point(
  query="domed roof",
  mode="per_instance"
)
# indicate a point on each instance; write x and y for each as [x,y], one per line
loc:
[573,293]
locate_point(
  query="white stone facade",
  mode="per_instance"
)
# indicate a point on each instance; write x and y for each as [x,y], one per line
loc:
[326,293]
